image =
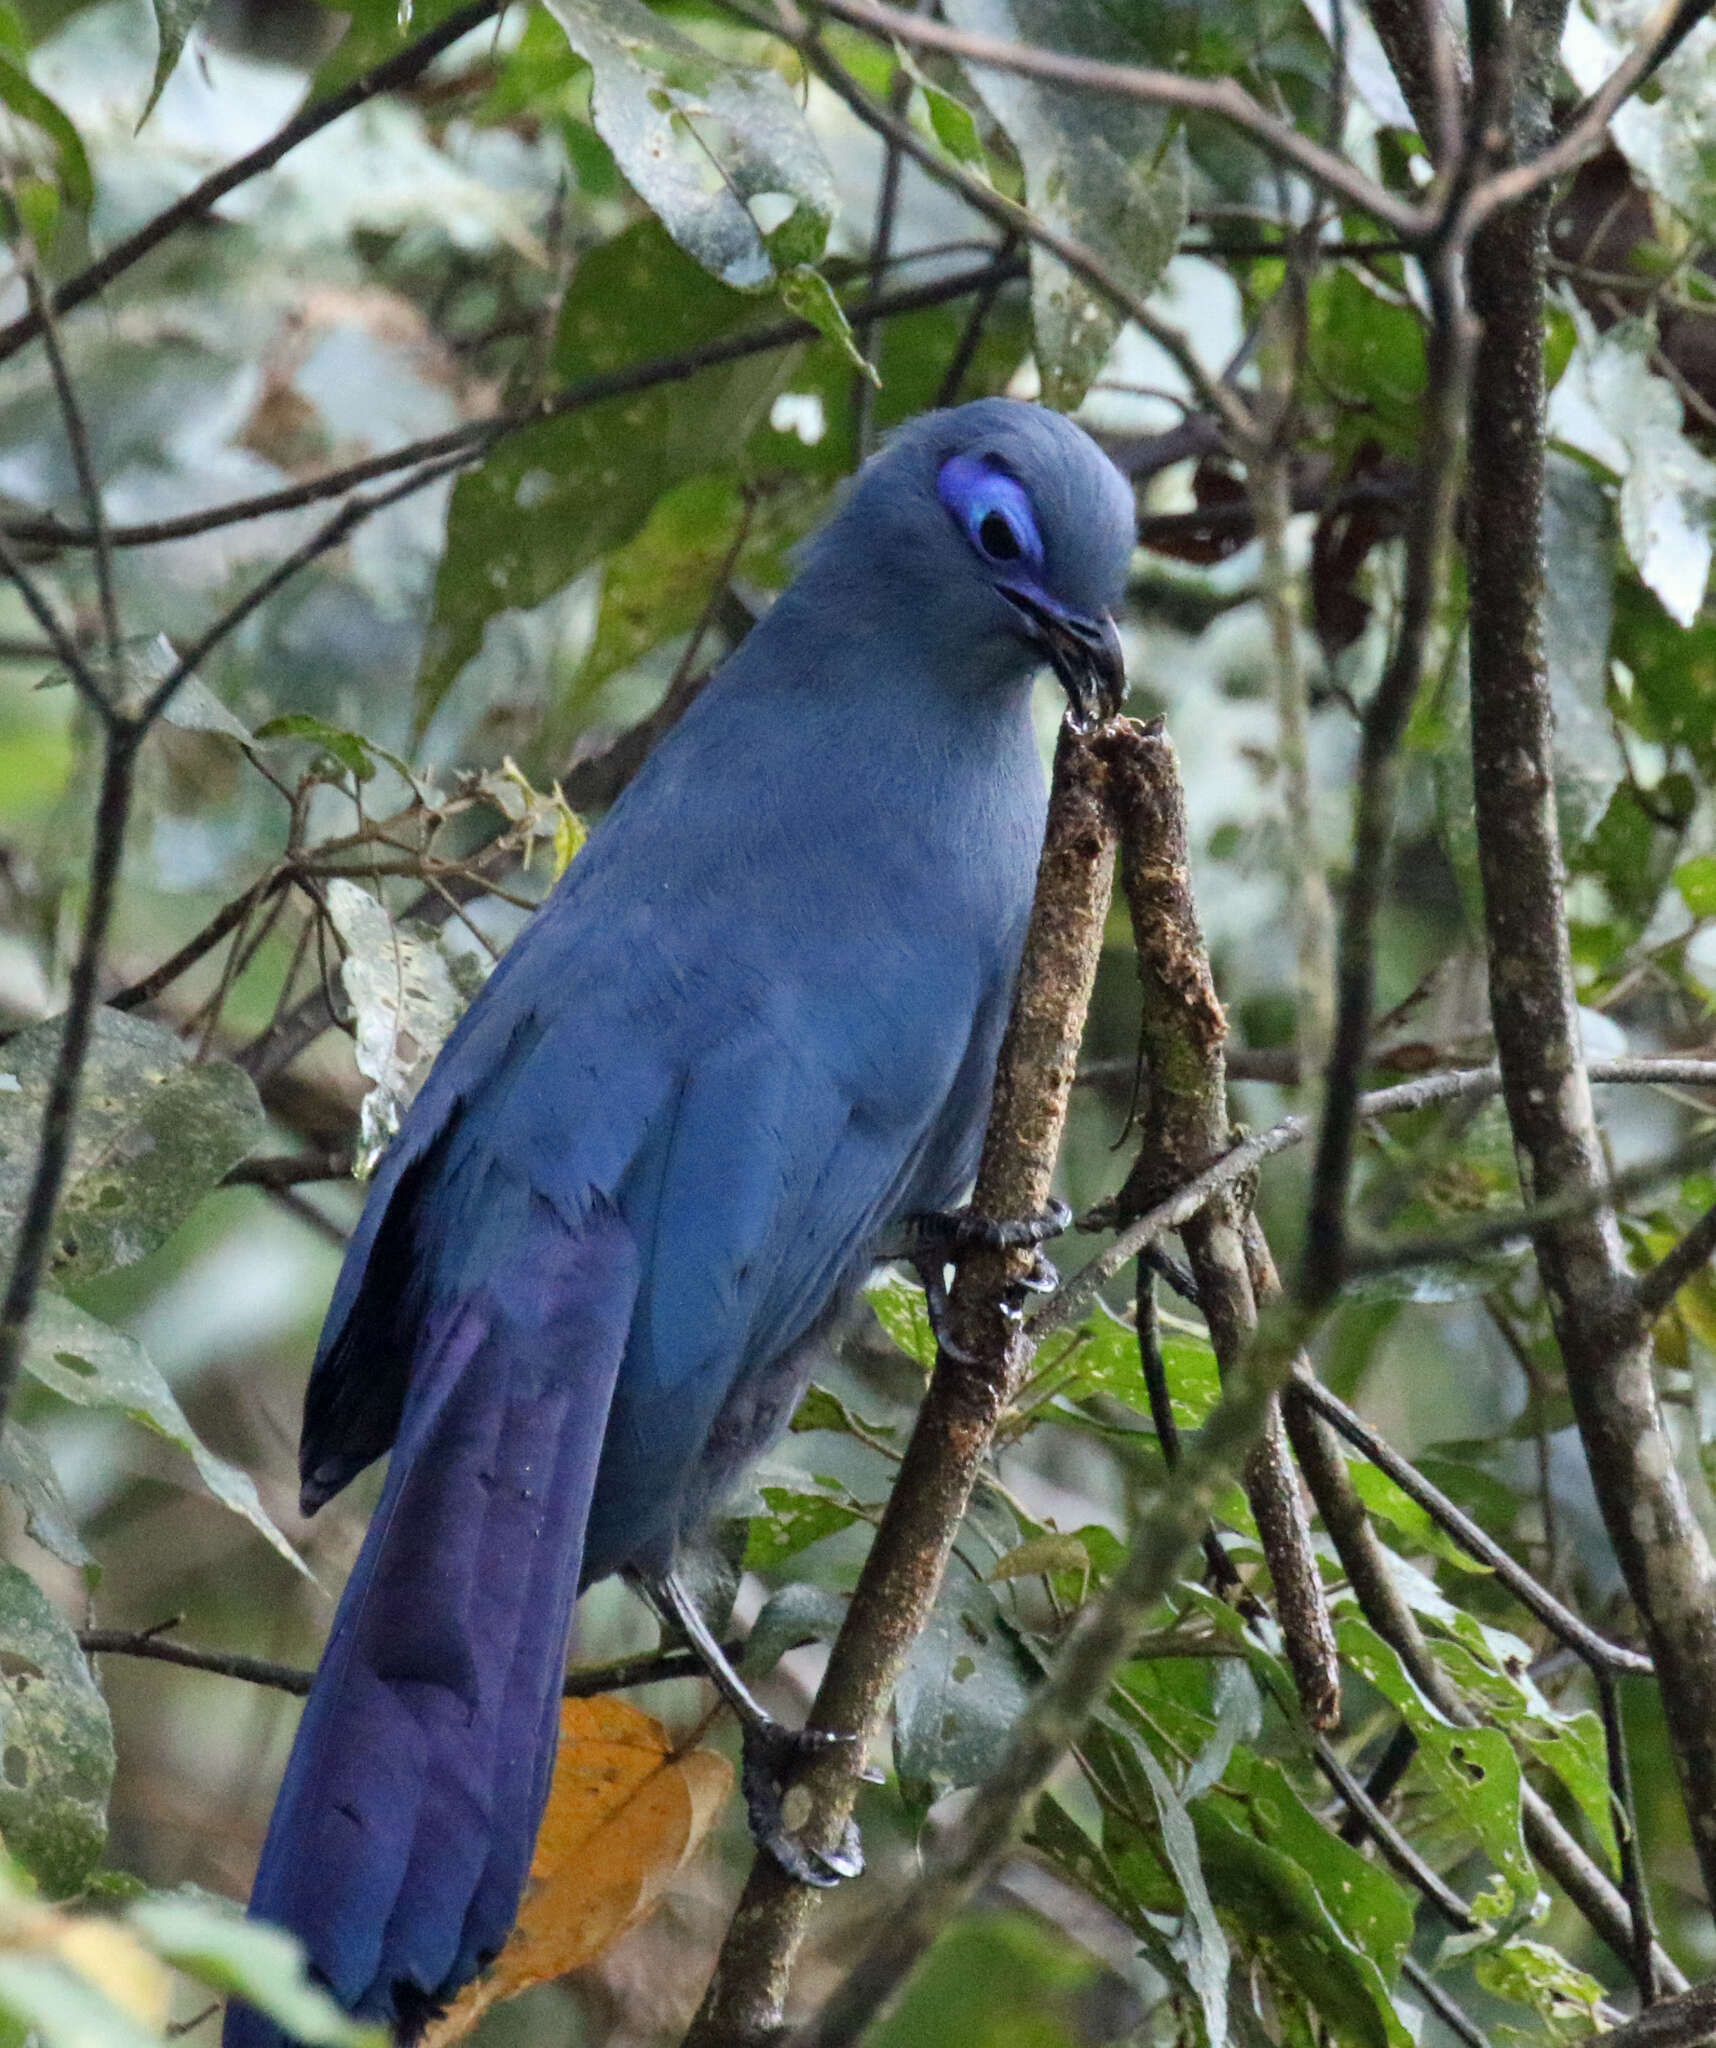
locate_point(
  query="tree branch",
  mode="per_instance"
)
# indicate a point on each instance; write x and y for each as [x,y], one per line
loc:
[1605,1349]
[477,437]
[967,1395]
[1224,97]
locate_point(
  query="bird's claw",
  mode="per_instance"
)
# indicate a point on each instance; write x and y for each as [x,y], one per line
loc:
[938,1234]
[770,1751]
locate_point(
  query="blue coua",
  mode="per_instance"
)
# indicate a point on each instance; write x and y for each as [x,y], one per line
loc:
[751,1033]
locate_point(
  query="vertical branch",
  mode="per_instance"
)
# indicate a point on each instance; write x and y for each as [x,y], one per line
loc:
[1184,1129]
[1427,541]
[967,1396]
[53,1147]
[1605,1344]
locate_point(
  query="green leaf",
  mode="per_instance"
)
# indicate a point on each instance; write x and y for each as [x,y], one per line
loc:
[154,1133]
[1696,881]
[548,503]
[1202,1944]
[794,1518]
[1269,1893]
[70,165]
[1474,1770]
[174,20]
[63,2007]
[216,1944]
[353,754]
[965,1684]
[1108,172]
[902,1311]
[93,1366]
[194,707]
[808,293]
[27,1472]
[790,1616]
[702,141]
[56,1743]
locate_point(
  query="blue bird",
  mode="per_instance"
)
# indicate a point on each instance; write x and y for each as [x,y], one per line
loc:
[748,1037]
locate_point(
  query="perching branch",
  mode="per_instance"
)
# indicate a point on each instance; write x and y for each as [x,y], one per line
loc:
[967,1395]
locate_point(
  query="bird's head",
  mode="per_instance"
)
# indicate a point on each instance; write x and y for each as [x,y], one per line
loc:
[1001,533]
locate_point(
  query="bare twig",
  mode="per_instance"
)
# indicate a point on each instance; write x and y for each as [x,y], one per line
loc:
[1184,1127]
[582,1681]
[475,439]
[1224,97]
[54,1142]
[1658,1287]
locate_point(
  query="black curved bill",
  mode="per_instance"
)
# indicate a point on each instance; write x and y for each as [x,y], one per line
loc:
[1083,651]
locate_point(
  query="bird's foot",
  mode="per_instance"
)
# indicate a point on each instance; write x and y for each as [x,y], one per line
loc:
[938,1235]
[770,1753]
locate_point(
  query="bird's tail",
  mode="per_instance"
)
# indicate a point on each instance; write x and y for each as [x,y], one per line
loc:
[406,1821]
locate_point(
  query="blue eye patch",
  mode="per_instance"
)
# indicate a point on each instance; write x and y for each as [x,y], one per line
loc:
[993,510]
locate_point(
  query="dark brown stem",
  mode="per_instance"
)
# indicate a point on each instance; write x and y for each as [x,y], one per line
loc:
[1605,1348]
[474,440]
[967,1395]
[59,1118]
[1658,1287]
[1183,1130]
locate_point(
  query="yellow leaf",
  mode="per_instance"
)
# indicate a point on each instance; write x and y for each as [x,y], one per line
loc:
[624,1816]
[112,1959]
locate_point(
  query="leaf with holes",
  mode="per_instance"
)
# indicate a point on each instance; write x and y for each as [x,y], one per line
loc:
[154,1134]
[964,1686]
[707,145]
[27,1473]
[405,1001]
[902,1311]
[94,1366]
[1473,1770]
[793,1518]
[56,1742]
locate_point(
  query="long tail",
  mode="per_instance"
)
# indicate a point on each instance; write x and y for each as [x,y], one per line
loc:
[405,1824]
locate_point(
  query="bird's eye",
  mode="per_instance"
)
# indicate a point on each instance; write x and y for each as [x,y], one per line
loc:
[992,509]
[997,539]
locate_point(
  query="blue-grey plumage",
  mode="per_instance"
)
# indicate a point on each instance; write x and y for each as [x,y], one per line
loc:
[751,1031]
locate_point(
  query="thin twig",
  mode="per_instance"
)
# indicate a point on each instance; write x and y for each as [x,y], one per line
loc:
[76,428]
[1429,535]
[1224,97]
[477,437]
[1657,1288]
[59,1117]
[582,1681]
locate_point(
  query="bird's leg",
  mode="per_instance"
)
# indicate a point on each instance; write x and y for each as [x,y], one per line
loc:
[936,1235]
[768,1748]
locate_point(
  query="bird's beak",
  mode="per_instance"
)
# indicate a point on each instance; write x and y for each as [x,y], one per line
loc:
[1083,650]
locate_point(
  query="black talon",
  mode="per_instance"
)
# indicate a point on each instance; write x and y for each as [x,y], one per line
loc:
[946,1231]
[770,1752]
